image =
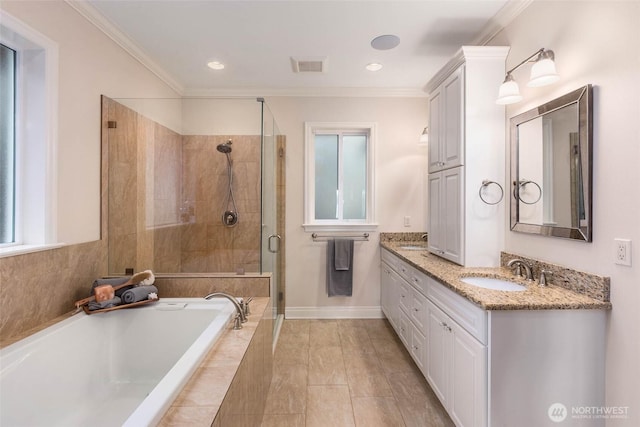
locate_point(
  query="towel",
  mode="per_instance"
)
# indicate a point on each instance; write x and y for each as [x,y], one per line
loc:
[113,282]
[339,278]
[95,305]
[139,293]
[342,255]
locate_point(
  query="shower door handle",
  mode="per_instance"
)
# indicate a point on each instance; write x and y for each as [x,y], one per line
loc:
[277,249]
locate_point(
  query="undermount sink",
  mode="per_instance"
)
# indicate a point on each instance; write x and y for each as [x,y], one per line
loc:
[493,283]
[413,248]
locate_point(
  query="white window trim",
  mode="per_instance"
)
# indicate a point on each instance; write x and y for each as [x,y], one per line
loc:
[310,224]
[41,108]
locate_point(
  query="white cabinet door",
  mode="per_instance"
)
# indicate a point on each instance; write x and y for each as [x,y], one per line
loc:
[385,290]
[446,105]
[446,208]
[438,352]
[435,133]
[451,214]
[468,380]
[452,153]
[456,368]
[404,330]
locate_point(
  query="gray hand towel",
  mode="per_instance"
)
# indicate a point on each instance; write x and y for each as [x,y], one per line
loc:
[95,305]
[339,282]
[343,256]
[139,293]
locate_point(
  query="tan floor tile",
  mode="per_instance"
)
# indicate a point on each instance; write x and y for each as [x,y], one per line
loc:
[356,338]
[376,412]
[380,329]
[361,362]
[368,385]
[393,356]
[289,420]
[326,366]
[329,406]
[287,394]
[188,416]
[295,326]
[291,353]
[323,333]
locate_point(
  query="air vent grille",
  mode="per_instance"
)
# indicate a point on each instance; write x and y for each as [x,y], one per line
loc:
[309,65]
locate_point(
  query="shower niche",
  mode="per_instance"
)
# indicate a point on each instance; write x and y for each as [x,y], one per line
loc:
[188,189]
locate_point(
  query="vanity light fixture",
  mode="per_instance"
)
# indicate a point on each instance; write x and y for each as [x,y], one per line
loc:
[424,137]
[543,72]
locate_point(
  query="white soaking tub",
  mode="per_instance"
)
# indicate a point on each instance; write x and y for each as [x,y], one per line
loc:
[123,367]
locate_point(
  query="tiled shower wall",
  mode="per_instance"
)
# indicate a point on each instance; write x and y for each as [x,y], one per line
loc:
[167,194]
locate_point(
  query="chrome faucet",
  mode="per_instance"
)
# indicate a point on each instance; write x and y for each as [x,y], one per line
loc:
[240,317]
[544,277]
[519,265]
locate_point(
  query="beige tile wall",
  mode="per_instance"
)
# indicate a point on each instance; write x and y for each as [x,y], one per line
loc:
[167,193]
[38,287]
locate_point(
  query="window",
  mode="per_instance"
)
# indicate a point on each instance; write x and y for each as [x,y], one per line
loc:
[28,104]
[339,176]
[7,144]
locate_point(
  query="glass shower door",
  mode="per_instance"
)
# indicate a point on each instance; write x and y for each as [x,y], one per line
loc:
[271,239]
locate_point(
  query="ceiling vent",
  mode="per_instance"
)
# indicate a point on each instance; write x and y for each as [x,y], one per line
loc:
[309,65]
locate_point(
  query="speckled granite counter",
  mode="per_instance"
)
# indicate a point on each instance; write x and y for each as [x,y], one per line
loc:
[535,297]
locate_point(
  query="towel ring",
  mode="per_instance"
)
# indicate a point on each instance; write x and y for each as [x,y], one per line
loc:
[522,183]
[486,183]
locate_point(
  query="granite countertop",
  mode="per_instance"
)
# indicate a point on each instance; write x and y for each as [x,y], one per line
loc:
[535,297]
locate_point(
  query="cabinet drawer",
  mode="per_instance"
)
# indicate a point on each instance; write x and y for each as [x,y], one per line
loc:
[418,280]
[471,317]
[418,312]
[404,329]
[405,296]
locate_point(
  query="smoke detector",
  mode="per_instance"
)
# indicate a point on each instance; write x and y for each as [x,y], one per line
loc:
[317,64]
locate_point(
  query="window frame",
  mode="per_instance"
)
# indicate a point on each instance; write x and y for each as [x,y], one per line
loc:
[311,224]
[36,137]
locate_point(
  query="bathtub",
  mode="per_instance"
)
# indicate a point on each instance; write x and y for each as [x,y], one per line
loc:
[123,367]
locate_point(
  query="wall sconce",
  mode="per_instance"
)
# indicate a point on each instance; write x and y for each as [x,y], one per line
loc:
[543,72]
[424,137]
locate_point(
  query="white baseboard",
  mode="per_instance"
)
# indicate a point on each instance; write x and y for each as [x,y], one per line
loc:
[334,313]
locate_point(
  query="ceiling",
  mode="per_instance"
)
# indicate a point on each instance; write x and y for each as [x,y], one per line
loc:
[256,40]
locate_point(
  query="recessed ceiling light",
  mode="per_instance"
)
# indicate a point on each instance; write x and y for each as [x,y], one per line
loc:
[374,66]
[385,42]
[215,65]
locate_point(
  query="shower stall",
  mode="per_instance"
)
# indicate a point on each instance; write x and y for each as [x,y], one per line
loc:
[195,188]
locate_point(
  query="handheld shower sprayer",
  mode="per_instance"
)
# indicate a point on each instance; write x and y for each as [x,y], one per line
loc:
[230,216]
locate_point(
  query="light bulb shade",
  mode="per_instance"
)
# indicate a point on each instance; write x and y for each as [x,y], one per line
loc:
[424,137]
[509,92]
[543,71]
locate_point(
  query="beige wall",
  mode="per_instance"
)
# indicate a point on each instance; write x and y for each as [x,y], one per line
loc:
[597,43]
[399,166]
[91,65]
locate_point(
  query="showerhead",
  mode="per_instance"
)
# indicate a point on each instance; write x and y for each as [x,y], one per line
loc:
[224,148]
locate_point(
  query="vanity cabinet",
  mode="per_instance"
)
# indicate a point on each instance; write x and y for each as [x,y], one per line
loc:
[466,133]
[495,368]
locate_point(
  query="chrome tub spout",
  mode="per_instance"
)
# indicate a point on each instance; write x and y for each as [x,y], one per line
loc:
[240,316]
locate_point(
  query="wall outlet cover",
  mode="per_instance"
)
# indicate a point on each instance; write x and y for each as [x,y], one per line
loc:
[622,252]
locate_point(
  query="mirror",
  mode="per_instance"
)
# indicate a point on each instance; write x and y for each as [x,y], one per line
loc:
[551,167]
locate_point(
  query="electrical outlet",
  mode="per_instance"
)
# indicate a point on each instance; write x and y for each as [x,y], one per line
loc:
[623,251]
[407,221]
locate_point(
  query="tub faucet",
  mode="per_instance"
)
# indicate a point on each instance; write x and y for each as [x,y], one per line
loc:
[240,317]
[521,264]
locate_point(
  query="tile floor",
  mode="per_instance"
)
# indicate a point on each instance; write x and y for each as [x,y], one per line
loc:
[353,372]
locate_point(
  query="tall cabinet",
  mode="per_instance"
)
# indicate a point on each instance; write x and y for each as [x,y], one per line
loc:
[466,147]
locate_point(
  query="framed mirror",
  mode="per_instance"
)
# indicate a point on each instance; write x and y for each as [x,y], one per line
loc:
[551,167]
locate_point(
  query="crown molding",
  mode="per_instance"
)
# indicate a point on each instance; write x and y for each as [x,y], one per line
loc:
[92,15]
[331,92]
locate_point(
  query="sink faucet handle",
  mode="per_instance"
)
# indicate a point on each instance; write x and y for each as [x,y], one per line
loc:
[544,277]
